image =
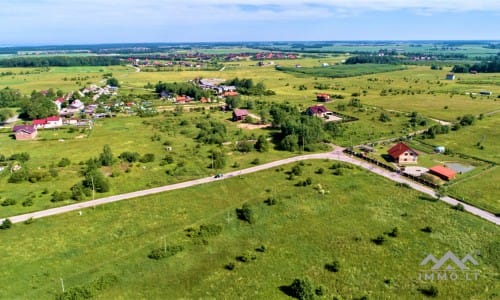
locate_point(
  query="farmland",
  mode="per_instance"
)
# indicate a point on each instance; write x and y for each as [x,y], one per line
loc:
[304,216]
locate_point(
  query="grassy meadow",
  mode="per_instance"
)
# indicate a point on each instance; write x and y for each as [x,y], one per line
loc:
[134,134]
[301,233]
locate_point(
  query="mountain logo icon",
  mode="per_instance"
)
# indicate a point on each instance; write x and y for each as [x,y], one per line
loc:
[449,261]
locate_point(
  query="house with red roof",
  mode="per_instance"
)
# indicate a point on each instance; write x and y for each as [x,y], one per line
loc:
[230,94]
[239,114]
[49,122]
[24,132]
[317,110]
[402,154]
[323,98]
[443,172]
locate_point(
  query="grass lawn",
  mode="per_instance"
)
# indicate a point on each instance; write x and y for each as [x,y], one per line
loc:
[301,233]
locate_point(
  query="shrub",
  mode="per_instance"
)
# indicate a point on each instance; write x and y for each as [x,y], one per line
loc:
[6,224]
[262,249]
[64,162]
[245,213]
[333,267]
[379,240]
[29,221]
[320,171]
[427,229]
[28,202]
[320,291]
[129,156]
[459,207]
[247,257]
[430,291]
[393,232]
[204,231]
[230,266]
[148,157]
[164,252]
[271,201]
[256,161]
[9,202]
[302,289]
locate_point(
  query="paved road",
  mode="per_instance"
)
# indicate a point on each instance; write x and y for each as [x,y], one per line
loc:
[336,154]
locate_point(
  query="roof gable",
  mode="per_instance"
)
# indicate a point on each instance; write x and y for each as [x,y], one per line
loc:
[399,149]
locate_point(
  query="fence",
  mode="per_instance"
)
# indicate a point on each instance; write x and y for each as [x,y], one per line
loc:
[391,168]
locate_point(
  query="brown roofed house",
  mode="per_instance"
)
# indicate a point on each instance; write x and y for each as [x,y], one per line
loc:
[24,132]
[240,114]
[402,154]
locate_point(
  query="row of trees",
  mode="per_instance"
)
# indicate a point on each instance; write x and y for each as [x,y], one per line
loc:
[491,65]
[59,61]
[372,59]
[246,86]
[185,88]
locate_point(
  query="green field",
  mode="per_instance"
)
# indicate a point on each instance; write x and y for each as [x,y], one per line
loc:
[301,233]
[134,134]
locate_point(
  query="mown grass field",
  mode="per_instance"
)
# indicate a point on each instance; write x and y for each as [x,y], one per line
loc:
[301,233]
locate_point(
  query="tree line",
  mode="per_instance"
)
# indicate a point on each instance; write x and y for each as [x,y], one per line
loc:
[372,59]
[491,65]
[59,61]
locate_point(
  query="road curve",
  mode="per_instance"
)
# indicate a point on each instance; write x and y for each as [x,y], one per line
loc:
[337,155]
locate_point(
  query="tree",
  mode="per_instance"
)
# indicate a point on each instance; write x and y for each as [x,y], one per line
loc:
[262,145]
[5,114]
[106,157]
[245,213]
[6,224]
[112,82]
[218,159]
[290,143]
[302,289]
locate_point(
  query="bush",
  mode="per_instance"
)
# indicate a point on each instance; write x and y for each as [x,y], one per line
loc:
[333,267]
[320,291]
[129,156]
[393,232]
[64,162]
[204,231]
[379,240]
[148,157]
[271,201]
[230,266]
[430,291]
[164,252]
[256,161]
[320,171]
[302,289]
[9,202]
[245,213]
[247,257]
[6,224]
[427,229]
[28,202]
[459,207]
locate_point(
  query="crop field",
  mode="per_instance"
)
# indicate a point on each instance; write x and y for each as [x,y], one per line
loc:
[341,71]
[296,236]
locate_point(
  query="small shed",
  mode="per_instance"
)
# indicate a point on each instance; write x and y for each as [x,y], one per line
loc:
[450,76]
[440,149]
[240,114]
[323,98]
[443,172]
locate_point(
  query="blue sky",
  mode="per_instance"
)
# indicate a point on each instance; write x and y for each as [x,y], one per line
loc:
[45,22]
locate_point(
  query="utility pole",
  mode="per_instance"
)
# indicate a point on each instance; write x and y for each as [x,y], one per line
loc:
[62,284]
[93,188]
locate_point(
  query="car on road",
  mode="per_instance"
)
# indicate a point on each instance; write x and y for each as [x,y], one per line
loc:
[218,175]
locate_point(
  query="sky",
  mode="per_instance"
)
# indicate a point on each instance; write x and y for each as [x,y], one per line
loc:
[56,22]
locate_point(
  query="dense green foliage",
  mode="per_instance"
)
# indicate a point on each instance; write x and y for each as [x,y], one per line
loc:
[182,89]
[38,106]
[9,97]
[491,65]
[245,86]
[372,59]
[59,61]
